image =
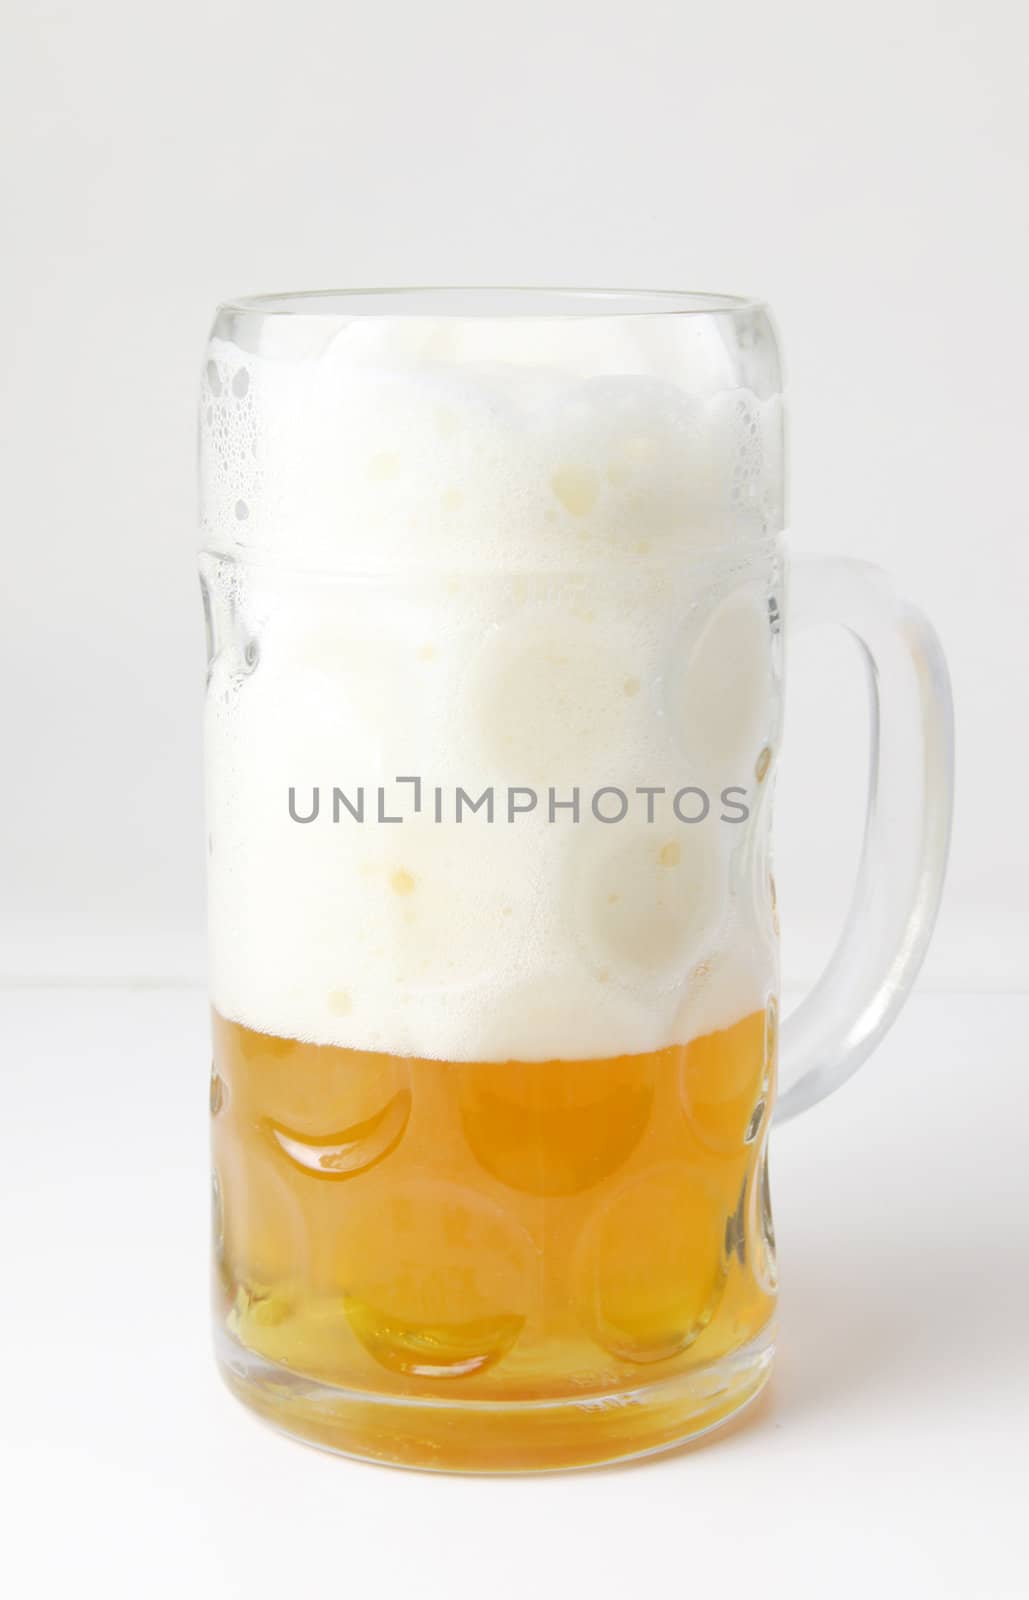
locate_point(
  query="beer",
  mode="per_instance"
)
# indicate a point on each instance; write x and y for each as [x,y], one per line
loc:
[492,716]
[493,1231]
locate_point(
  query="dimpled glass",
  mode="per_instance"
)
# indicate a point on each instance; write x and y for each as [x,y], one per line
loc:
[495,594]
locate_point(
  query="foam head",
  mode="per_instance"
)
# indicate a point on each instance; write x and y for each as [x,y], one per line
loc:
[533,552]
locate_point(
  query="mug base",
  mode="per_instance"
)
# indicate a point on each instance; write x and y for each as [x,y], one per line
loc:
[443,1435]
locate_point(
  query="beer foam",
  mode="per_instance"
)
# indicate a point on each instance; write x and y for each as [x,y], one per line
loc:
[463,550]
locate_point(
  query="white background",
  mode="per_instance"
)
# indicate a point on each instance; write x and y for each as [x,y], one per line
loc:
[864,169]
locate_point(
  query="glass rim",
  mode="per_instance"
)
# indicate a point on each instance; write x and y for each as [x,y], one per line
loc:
[503,302]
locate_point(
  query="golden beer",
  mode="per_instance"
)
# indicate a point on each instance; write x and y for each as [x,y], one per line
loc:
[493,1232]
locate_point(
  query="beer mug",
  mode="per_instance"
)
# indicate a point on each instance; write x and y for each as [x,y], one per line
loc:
[496,603]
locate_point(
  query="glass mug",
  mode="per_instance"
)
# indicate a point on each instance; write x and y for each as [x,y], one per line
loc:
[494,589]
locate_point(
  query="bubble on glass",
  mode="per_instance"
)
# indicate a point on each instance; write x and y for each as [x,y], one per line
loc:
[465,1314]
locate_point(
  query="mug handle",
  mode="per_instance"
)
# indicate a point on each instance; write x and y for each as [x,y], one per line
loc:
[907,829]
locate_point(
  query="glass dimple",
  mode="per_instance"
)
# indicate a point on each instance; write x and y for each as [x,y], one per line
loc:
[555,1128]
[735,1230]
[723,1081]
[217,1224]
[761,1228]
[351,1150]
[654,1268]
[449,1296]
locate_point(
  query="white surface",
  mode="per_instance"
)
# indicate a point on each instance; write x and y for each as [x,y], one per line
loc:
[862,168]
[888,1456]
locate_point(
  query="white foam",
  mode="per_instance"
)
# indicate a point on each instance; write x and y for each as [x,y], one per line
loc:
[435,550]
